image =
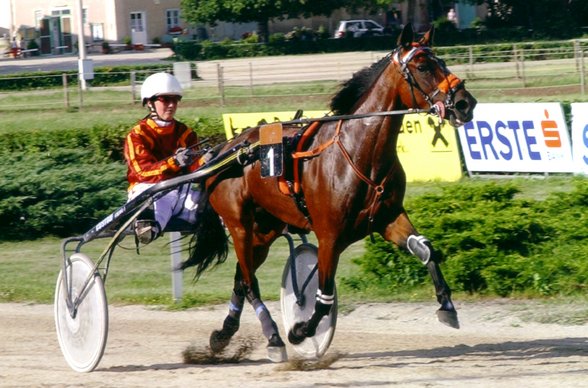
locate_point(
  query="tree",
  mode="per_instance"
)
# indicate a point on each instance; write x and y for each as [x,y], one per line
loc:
[262,11]
[551,16]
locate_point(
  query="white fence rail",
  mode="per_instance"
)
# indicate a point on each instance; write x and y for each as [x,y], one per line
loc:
[521,69]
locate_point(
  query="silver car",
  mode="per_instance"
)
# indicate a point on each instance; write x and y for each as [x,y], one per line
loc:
[358,28]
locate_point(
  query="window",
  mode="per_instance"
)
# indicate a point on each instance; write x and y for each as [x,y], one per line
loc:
[38,17]
[172,18]
[137,21]
[61,12]
[97,32]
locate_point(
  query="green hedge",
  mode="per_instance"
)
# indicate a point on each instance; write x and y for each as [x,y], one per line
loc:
[206,50]
[62,182]
[499,44]
[103,76]
[493,243]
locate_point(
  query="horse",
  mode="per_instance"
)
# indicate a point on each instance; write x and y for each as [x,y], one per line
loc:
[351,185]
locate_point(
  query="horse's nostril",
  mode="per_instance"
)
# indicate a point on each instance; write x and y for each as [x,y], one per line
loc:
[461,105]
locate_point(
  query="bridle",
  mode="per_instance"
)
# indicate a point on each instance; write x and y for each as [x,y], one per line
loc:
[450,85]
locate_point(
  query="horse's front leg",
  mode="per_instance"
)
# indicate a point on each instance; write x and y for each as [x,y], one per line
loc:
[402,233]
[325,296]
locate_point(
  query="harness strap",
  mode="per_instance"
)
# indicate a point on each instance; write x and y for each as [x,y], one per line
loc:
[299,154]
[449,83]
[378,188]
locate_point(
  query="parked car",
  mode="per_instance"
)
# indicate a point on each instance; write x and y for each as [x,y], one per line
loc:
[358,28]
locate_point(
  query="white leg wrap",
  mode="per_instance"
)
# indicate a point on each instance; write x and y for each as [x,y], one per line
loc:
[324,299]
[420,247]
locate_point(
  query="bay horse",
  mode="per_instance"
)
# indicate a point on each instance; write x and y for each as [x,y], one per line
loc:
[352,185]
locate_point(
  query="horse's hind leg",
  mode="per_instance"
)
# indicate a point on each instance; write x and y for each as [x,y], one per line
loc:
[402,233]
[219,339]
[276,349]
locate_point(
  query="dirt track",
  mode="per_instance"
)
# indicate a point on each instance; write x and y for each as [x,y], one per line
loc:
[374,345]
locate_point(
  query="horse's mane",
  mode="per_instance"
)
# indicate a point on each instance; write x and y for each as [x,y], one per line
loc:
[354,88]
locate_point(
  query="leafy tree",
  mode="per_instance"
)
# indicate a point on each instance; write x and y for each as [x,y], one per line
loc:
[556,17]
[262,11]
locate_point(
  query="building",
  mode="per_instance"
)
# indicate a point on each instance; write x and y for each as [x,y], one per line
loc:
[52,24]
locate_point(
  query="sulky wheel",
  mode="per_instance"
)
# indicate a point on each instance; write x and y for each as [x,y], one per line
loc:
[305,260]
[83,329]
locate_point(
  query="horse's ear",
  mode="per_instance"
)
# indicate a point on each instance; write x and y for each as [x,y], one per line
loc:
[427,39]
[406,36]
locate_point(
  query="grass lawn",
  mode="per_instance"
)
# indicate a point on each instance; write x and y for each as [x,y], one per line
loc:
[29,268]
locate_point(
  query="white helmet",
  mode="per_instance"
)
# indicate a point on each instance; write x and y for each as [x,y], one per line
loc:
[160,84]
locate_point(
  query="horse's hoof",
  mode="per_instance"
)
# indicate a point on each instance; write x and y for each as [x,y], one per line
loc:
[448,317]
[277,353]
[218,341]
[296,335]
[276,349]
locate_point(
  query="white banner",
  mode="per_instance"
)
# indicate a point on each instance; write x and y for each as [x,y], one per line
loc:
[522,137]
[580,136]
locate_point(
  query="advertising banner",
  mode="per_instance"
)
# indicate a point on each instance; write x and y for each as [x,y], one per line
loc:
[236,122]
[521,137]
[580,136]
[427,148]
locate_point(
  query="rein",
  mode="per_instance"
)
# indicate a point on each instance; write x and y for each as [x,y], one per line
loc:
[433,110]
[449,86]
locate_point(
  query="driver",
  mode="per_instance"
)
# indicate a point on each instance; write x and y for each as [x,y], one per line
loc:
[157,148]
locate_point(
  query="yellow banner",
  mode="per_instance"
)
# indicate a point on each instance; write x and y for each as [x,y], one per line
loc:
[237,122]
[427,149]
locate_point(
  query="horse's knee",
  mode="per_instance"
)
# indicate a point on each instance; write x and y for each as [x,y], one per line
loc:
[421,247]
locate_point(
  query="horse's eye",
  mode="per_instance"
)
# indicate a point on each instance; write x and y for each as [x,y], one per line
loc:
[423,68]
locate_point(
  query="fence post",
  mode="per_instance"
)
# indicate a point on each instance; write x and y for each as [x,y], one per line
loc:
[519,56]
[577,54]
[471,55]
[221,83]
[582,74]
[133,86]
[65,90]
[522,56]
[251,78]
[175,248]
[81,91]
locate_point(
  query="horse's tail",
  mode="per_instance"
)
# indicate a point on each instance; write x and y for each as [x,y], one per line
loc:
[209,244]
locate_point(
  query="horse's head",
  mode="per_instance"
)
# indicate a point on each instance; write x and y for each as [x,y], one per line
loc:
[429,83]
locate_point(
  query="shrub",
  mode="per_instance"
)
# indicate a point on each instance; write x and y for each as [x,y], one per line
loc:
[61,194]
[493,242]
[102,76]
[62,182]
